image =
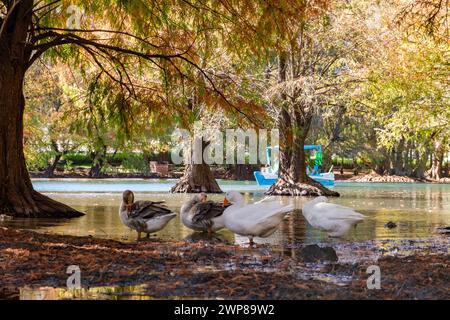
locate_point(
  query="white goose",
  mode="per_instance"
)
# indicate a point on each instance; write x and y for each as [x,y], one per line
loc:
[336,220]
[144,216]
[253,220]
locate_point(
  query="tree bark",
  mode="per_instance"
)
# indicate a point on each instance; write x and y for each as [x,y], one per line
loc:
[397,159]
[241,172]
[407,160]
[50,171]
[98,162]
[197,178]
[17,196]
[421,164]
[293,180]
[438,160]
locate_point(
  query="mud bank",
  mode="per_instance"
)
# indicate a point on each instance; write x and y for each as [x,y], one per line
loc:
[372,177]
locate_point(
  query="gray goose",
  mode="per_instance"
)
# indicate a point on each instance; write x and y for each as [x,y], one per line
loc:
[199,214]
[144,216]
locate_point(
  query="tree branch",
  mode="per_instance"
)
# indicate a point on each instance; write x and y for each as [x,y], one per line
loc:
[11,14]
[47,29]
[44,6]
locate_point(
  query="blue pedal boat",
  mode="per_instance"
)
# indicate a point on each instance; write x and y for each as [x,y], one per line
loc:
[269,175]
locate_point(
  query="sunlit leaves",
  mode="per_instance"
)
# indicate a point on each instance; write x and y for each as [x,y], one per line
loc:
[410,91]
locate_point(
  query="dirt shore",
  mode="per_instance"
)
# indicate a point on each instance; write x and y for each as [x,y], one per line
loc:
[373,177]
[205,270]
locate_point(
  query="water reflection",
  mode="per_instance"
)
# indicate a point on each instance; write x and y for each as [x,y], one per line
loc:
[99,293]
[418,209]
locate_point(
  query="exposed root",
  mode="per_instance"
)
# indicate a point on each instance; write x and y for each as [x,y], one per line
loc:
[36,205]
[197,178]
[310,189]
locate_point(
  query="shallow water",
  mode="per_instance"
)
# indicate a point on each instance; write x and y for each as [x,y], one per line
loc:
[418,209]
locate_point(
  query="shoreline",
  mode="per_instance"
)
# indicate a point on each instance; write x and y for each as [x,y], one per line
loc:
[165,270]
[361,178]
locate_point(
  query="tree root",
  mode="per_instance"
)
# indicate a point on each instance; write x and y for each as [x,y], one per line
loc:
[309,189]
[197,179]
[37,206]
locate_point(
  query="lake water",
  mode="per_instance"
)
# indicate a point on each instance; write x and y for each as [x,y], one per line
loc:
[418,209]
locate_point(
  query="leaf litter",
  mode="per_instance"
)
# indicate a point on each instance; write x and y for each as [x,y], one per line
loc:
[30,262]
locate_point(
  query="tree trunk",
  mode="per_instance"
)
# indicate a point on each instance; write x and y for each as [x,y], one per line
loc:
[421,164]
[438,159]
[50,171]
[294,181]
[96,170]
[17,196]
[241,172]
[197,178]
[407,160]
[382,163]
[447,170]
[294,124]
[327,159]
[334,137]
[397,158]
[98,161]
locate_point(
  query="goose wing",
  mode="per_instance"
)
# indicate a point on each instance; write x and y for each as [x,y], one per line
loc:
[257,219]
[337,212]
[149,209]
[207,210]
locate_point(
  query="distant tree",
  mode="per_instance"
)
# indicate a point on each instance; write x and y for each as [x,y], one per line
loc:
[316,67]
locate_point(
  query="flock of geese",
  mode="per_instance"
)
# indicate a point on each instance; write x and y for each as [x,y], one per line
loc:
[260,219]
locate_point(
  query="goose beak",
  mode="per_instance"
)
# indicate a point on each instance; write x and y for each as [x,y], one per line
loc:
[225,202]
[129,208]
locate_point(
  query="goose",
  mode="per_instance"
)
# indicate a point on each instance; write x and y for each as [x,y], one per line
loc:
[336,220]
[253,220]
[199,214]
[144,216]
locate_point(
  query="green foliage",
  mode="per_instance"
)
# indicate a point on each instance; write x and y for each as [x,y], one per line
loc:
[373,92]
[38,161]
[78,159]
[136,164]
